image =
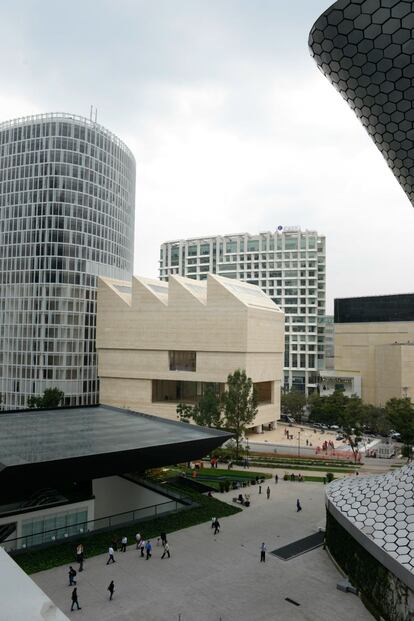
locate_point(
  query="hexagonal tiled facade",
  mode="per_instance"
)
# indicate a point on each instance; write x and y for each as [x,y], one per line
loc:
[366,49]
[382,507]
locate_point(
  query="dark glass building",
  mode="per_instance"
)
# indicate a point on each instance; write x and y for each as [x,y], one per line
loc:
[366,49]
[67,200]
[375,308]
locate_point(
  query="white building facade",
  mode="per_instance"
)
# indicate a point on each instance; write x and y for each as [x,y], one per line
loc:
[67,197]
[288,265]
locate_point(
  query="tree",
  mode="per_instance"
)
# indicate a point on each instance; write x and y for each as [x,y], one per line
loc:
[240,405]
[51,398]
[292,404]
[327,410]
[206,413]
[400,413]
[351,420]
[184,412]
[375,420]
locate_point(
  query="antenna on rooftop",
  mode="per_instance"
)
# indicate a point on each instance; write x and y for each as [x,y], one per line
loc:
[90,113]
[96,114]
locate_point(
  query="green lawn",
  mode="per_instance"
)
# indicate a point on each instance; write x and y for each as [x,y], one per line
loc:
[94,544]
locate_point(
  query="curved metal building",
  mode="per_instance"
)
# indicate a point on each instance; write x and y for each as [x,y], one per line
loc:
[67,200]
[366,49]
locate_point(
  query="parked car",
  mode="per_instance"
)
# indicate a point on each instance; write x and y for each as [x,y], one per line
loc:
[334,427]
[340,437]
[396,436]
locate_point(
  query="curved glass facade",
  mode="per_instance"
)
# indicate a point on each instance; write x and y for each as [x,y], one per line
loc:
[67,202]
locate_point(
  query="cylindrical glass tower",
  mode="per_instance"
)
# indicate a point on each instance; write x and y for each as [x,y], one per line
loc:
[67,202]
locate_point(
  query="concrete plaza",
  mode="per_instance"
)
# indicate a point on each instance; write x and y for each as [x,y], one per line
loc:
[209,577]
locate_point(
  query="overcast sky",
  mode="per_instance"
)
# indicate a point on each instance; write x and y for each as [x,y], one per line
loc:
[232,126]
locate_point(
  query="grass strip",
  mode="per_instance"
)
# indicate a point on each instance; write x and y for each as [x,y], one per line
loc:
[284,466]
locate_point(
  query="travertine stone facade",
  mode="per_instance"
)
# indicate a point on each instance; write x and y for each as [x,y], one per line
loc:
[382,353]
[211,327]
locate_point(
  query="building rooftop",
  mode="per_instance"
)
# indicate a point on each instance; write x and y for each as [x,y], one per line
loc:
[202,290]
[65,116]
[278,230]
[95,441]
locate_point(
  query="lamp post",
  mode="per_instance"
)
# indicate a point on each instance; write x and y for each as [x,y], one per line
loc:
[298,443]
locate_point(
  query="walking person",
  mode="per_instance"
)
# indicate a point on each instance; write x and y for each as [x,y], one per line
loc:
[216,526]
[80,556]
[263,553]
[142,544]
[213,521]
[72,574]
[75,599]
[268,492]
[260,489]
[124,542]
[276,479]
[166,550]
[163,536]
[298,506]
[148,549]
[111,556]
[111,589]
[137,540]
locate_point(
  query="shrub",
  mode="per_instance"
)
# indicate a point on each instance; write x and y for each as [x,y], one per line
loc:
[227,485]
[329,477]
[221,486]
[286,477]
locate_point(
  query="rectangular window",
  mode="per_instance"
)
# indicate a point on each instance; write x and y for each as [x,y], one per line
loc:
[181,392]
[263,392]
[182,360]
[291,243]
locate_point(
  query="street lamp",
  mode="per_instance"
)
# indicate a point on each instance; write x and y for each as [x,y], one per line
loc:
[298,443]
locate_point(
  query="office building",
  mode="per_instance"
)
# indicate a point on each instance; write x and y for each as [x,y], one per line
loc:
[160,344]
[288,265]
[67,194]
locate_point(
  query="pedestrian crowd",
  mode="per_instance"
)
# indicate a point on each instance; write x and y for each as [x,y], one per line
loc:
[144,546]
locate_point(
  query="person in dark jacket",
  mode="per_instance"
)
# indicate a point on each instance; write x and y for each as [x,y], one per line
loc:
[75,599]
[111,589]
[72,575]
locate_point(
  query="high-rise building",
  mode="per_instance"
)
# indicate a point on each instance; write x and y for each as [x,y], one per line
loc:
[67,195]
[327,323]
[289,265]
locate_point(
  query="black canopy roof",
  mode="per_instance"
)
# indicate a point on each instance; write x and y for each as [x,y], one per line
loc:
[79,443]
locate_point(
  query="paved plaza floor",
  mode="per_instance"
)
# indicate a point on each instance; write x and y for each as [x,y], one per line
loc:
[209,577]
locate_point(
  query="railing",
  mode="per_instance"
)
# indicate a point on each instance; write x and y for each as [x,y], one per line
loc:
[80,529]
[51,116]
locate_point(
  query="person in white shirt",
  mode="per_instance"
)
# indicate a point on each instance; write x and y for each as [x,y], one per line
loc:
[166,550]
[111,555]
[124,542]
[142,547]
[138,539]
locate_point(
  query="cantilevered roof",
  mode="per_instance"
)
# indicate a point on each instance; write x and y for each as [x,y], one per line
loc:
[94,441]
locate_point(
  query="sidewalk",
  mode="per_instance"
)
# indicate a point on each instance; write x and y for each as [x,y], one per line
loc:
[208,578]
